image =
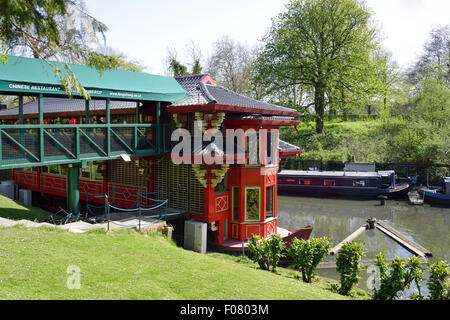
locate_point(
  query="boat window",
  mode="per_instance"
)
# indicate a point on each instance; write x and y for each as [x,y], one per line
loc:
[359,183]
[269,202]
[304,181]
[235,197]
[327,182]
[252,201]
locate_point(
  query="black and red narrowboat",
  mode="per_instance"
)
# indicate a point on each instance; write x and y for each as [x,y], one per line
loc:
[341,183]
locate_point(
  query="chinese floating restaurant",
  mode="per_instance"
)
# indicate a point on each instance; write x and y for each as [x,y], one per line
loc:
[67,150]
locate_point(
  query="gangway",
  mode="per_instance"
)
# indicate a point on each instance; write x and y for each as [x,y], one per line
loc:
[43,144]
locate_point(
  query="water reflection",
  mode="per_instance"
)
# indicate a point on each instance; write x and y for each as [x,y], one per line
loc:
[334,218]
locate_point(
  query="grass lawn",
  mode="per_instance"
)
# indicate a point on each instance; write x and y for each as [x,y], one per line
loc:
[13,210]
[128,265]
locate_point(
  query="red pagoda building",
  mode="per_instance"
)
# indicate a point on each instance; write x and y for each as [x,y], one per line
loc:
[236,199]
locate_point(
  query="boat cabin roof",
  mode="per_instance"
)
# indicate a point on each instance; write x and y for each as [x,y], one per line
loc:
[333,174]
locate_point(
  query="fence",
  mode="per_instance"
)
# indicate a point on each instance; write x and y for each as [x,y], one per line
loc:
[144,205]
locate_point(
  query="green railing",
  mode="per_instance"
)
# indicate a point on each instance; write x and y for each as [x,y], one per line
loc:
[37,145]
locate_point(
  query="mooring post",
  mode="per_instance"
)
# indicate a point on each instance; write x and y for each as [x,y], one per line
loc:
[371,222]
[382,199]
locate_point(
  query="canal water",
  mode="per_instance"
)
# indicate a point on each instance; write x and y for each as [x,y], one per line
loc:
[338,218]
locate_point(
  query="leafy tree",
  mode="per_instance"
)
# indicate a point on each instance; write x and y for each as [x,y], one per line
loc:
[61,29]
[348,263]
[438,283]
[266,252]
[177,68]
[123,62]
[397,277]
[323,45]
[197,68]
[308,254]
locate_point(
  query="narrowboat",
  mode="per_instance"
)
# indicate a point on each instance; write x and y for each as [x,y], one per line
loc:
[438,196]
[366,184]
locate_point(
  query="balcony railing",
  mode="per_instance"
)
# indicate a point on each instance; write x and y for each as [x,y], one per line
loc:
[37,145]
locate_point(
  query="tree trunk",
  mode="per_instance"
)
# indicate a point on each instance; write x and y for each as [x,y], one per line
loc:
[319,106]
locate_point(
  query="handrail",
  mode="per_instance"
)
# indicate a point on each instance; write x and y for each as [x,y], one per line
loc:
[73,126]
[66,146]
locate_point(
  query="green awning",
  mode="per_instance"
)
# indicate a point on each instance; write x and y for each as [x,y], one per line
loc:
[27,75]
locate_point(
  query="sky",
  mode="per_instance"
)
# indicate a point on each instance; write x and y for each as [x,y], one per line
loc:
[145,30]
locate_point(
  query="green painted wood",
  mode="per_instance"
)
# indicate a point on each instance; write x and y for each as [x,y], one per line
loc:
[121,140]
[59,144]
[41,129]
[27,75]
[76,154]
[22,147]
[93,143]
[73,191]
[108,122]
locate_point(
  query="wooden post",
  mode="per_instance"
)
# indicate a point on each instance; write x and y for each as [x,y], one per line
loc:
[41,128]
[73,191]
[108,129]
[88,120]
[20,110]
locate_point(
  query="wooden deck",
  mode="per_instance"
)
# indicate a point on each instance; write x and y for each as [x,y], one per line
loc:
[238,245]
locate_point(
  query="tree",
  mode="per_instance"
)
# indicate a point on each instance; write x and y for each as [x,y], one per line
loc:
[324,46]
[308,254]
[123,62]
[177,68]
[60,29]
[436,57]
[195,56]
[348,264]
[230,65]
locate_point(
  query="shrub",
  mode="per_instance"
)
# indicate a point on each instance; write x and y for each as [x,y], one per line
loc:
[402,273]
[348,263]
[308,254]
[266,252]
[437,284]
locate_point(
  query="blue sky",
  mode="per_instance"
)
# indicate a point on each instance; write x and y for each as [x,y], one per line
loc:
[145,29]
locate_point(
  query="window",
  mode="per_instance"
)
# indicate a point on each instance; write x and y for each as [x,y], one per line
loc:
[252,201]
[222,186]
[252,147]
[359,183]
[329,183]
[92,172]
[269,147]
[269,202]
[304,181]
[235,196]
